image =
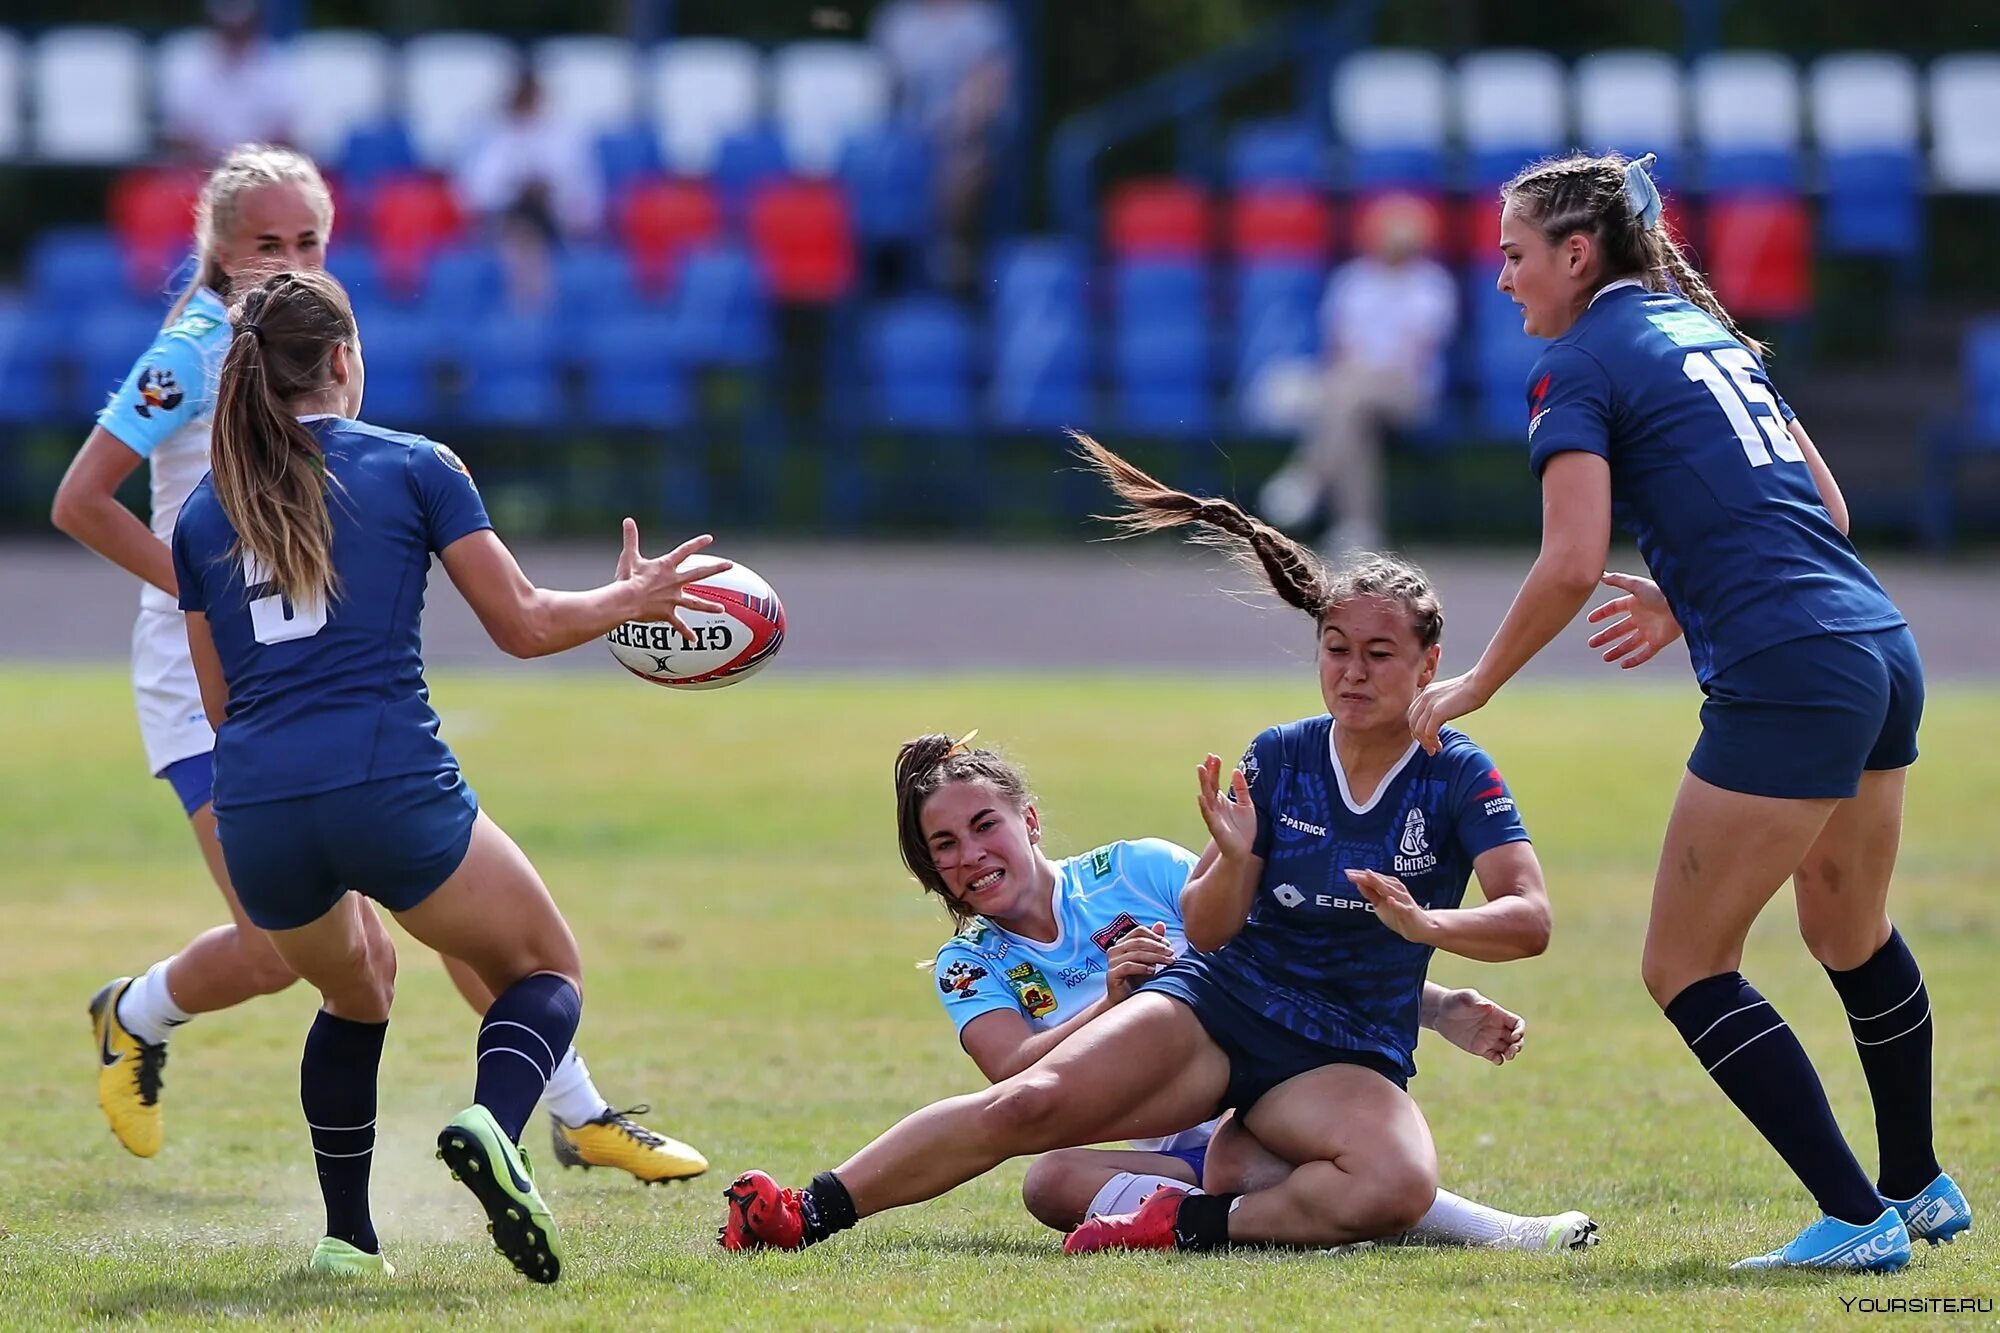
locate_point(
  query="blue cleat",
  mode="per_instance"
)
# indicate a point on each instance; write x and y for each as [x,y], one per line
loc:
[1937,1214]
[1880,1246]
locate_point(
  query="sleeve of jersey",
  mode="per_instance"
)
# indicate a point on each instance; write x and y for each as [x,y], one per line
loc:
[1485,813]
[168,388]
[186,581]
[1162,869]
[967,986]
[1261,765]
[1569,407]
[451,504]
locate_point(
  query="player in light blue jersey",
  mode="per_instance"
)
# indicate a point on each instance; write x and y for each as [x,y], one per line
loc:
[1328,881]
[1045,945]
[261,210]
[301,563]
[1649,407]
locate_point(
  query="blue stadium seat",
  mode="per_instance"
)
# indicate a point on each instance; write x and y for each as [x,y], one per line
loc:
[374,151]
[886,172]
[1277,316]
[919,356]
[631,375]
[359,271]
[1982,381]
[465,284]
[510,373]
[71,266]
[1277,152]
[592,282]
[1027,277]
[1161,370]
[1751,170]
[1042,372]
[1397,167]
[626,156]
[1149,290]
[1874,201]
[108,339]
[27,366]
[403,359]
[720,309]
[747,159]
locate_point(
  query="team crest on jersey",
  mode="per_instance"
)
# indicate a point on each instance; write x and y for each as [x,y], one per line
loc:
[1413,849]
[1248,763]
[1032,989]
[1121,926]
[194,324]
[1100,862]
[454,462]
[158,391]
[960,981]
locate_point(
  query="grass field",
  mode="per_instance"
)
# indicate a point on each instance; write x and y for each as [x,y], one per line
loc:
[729,865]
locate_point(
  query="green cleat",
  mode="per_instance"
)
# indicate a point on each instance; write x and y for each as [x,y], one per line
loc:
[339,1259]
[496,1170]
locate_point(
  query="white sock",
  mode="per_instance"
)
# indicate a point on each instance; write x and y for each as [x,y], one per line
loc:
[147,1007]
[571,1097]
[1124,1192]
[1456,1221]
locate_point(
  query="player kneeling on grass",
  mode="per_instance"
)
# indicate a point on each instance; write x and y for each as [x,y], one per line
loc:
[1337,858]
[301,561]
[1045,946]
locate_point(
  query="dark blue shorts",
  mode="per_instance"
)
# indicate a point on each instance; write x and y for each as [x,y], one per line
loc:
[395,840]
[1262,1052]
[193,780]
[1193,1158]
[1805,719]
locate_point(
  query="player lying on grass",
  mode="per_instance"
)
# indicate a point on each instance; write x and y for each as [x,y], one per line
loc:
[1044,946]
[1337,857]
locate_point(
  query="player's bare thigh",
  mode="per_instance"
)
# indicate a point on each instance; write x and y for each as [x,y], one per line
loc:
[1842,885]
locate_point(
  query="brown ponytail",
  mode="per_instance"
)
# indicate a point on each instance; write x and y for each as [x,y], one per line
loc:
[267,468]
[925,765]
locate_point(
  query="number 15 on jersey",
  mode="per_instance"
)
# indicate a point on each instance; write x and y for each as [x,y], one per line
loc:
[1730,376]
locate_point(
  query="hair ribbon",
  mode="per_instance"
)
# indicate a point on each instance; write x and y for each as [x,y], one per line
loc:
[1640,192]
[963,745]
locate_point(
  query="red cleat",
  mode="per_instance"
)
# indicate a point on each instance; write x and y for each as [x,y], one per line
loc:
[1149,1227]
[761,1215]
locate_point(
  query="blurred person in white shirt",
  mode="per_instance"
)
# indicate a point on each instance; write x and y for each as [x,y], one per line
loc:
[532,182]
[233,88]
[1385,324]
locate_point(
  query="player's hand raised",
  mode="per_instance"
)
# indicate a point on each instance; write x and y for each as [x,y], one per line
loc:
[663,582]
[1471,1022]
[1645,622]
[1136,956]
[1393,904]
[1231,817]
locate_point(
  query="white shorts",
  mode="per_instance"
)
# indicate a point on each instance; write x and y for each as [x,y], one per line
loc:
[172,722]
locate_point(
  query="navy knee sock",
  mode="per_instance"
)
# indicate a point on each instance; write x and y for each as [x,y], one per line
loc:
[1889,1013]
[337,1078]
[524,1036]
[1751,1053]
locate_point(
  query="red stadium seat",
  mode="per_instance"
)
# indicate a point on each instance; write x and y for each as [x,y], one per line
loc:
[152,214]
[803,238]
[409,218]
[661,220]
[1759,257]
[1159,218]
[1280,222]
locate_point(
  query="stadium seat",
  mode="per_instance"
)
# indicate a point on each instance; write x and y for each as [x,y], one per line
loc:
[1631,101]
[1157,217]
[1965,108]
[1863,101]
[804,239]
[721,309]
[1500,355]
[919,360]
[1042,371]
[1277,152]
[1279,222]
[403,360]
[1512,106]
[73,267]
[374,151]
[454,84]
[510,373]
[349,73]
[407,218]
[749,158]
[1982,380]
[1161,373]
[627,157]
[823,93]
[1389,111]
[27,366]
[89,96]
[631,374]
[886,172]
[1147,291]
[1759,256]
[1874,201]
[152,214]
[1746,121]
[465,285]
[354,263]
[1038,278]
[13,77]
[593,282]
[660,220]
[589,82]
[109,338]
[1277,317]
[704,90]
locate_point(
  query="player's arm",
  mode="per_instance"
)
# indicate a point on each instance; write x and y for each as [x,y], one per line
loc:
[1512,923]
[528,621]
[207,669]
[1002,1043]
[1822,475]
[1223,883]
[88,509]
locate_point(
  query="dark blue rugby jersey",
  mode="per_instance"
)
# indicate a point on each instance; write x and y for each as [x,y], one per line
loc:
[1704,474]
[328,697]
[1313,956]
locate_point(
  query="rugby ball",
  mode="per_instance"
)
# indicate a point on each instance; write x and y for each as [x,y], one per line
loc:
[723,648]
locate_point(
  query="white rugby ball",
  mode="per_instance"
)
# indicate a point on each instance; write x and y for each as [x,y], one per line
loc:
[722,648]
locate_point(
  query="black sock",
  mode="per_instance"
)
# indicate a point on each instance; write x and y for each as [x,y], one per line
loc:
[337,1091]
[826,1207]
[1751,1053]
[1889,1013]
[1203,1221]
[524,1035]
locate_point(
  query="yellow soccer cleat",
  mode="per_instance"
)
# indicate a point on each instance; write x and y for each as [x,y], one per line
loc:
[128,1075]
[336,1258]
[614,1139]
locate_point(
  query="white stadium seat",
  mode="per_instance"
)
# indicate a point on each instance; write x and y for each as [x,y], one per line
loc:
[822,94]
[90,96]
[590,83]
[347,80]
[1965,121]
[1390,99]
[1746,99]
[1512,99]
[704,90]
[12,60]
[454,85]
[1629,100]
[1864,100]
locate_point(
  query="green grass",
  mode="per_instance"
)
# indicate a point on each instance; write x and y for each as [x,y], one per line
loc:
[729,866]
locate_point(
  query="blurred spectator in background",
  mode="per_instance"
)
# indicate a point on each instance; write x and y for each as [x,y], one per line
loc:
[953,63]
[531,182]
[233,88]
[1385,324]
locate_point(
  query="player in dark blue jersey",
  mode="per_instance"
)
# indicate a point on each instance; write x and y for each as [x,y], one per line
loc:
[301,563]
[1651,408]
[1336,864]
